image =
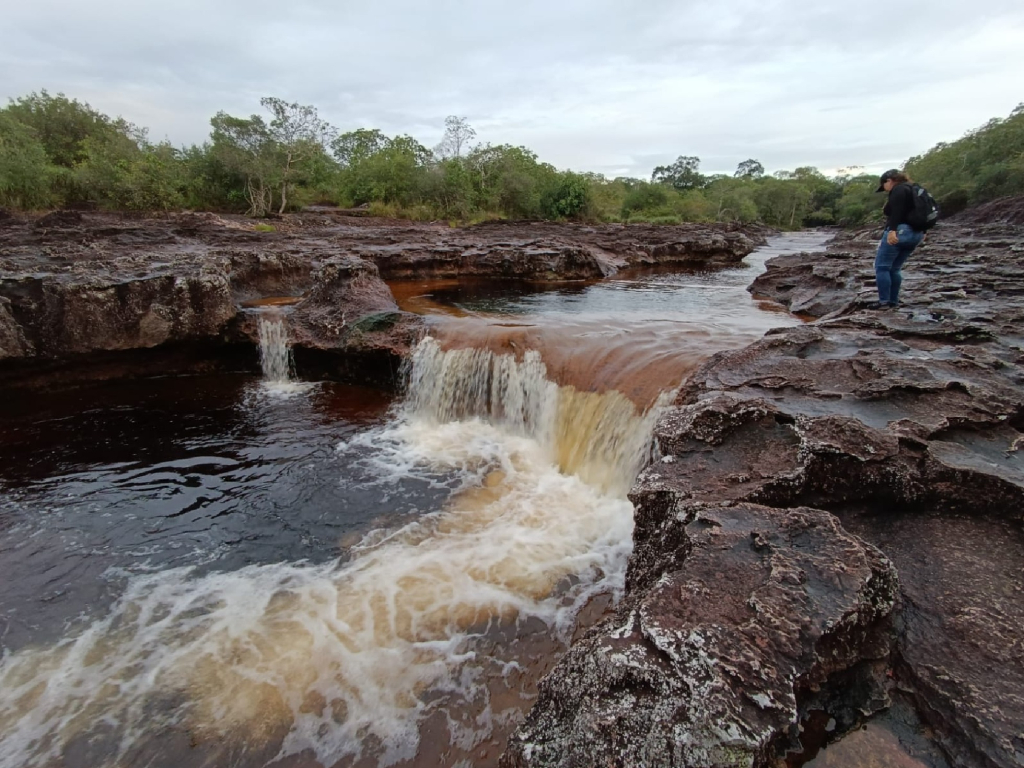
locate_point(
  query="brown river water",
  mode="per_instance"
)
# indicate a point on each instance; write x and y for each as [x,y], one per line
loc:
[228,570]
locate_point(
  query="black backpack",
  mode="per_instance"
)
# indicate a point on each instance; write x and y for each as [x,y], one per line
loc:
[926,210]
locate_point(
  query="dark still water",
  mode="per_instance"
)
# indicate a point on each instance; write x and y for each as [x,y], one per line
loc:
[221,570]
[214,472]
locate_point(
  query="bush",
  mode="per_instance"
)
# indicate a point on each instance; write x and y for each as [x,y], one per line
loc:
[569,198]
[645,197]
[26,175]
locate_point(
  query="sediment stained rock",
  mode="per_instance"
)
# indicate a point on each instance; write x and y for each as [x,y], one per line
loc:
[970,267]
[351,308]
[12,338]
[716,661]
[62,316]
[543,251]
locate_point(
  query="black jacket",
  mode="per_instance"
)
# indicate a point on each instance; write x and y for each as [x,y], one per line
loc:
[899,206]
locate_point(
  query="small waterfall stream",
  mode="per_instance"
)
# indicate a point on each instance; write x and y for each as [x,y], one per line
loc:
[275,352]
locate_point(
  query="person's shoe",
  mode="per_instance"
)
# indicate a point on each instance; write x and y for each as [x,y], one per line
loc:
[894,304]
[877,305]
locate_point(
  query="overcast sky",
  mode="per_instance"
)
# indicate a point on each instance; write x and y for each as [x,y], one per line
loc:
[597,85]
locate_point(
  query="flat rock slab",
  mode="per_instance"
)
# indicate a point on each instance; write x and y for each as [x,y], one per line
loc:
[73,283]
[716,662]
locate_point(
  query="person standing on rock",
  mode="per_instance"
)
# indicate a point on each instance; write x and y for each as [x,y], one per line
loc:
[898,240]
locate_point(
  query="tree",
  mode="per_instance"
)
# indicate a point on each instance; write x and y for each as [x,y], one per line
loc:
[858,203]
[298,135]
[207,182]
[355,146]
[568,198]
[749,169]
[733,199]
[782,202]
[509,180]
[394,172]
[25,170]
[451,188]
[127,173]
[107,162]
[684,173]
[457,135]
[246,147]
[646,198]
[61,125]
[985,163]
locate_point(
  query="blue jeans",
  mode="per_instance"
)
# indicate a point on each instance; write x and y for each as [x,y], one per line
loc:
[890,260]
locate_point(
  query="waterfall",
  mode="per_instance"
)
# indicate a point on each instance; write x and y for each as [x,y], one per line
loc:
[275,354]
[600,437]
[349,659]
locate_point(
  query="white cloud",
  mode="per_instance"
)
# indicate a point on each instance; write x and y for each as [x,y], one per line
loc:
[592,85]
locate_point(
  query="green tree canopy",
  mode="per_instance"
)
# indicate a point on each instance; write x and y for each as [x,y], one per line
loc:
[61,125]
[57,151]
[749,169]
[684,173]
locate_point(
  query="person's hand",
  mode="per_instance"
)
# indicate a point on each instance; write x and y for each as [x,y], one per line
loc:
[893,238]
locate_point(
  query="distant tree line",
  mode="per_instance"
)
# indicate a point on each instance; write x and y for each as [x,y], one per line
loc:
[56,151]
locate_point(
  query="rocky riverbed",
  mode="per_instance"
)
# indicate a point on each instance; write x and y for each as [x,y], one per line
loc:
[75,287]
[834,523]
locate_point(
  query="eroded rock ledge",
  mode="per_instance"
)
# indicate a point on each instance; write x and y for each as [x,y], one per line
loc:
[73,285]
[835,519]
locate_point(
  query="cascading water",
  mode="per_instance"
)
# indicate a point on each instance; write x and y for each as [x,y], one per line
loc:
[275,353]
[356,658]
[600,438]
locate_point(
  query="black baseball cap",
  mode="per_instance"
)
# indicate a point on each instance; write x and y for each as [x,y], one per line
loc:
[889,175]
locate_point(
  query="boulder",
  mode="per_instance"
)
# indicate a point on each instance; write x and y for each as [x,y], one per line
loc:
[715,662]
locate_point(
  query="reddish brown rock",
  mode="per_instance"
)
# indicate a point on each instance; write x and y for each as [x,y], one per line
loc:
[968,266]
[78,283]
[547,251]
[960,647]
[67,315]
[12,338]
[717,661]
[350,308]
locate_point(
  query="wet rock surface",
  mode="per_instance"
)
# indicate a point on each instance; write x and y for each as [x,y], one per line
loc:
[74,283]
[968,267]
[713,663]
[548,251]
[901,430]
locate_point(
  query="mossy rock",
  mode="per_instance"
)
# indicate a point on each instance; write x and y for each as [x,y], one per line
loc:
[378,321]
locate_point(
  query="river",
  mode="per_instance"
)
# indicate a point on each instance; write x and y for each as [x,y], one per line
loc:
[234,570]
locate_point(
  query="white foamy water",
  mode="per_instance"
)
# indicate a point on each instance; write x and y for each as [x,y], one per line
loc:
[350,657]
